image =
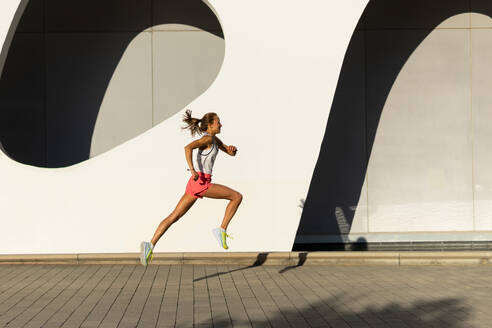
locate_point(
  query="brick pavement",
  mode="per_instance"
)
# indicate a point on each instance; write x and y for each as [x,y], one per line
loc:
[262,296]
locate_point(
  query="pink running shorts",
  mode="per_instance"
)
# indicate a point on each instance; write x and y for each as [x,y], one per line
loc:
[197,188]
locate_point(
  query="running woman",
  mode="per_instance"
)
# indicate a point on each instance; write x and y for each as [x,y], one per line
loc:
[200,183]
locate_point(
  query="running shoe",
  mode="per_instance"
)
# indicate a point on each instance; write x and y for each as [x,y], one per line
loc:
[221,237]
[146,253]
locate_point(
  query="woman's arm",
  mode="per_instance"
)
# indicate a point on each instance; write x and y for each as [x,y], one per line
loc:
[230,150]
[203,142]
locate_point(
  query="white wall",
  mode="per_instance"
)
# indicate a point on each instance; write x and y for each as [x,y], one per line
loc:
[427,175]
[280,70]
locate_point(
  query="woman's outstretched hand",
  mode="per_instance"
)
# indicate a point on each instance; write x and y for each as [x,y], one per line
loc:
[231,150]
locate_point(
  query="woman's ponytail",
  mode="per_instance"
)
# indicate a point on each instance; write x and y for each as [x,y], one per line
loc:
[195,125]
[191,123]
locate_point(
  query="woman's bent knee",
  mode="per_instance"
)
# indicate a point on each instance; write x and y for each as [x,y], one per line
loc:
[238,197]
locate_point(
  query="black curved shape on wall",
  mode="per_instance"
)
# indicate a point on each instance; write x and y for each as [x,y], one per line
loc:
[341,167]
[36,125]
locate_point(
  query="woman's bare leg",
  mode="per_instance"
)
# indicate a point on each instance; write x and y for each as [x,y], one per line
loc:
[223,192]
[184,204]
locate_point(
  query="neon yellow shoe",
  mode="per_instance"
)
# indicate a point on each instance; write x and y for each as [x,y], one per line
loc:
[221,237]
[146,253]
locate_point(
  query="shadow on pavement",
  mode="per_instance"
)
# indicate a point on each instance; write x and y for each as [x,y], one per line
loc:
[302,259]
[333,312]
[260,259]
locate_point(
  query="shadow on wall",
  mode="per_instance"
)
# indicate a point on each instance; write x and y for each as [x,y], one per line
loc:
[340,171]
[64,55]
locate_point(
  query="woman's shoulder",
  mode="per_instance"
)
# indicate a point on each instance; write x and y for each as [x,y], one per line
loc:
[205,137]
[205,140]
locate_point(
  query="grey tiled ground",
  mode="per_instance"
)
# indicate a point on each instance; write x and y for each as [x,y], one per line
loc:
[262,296]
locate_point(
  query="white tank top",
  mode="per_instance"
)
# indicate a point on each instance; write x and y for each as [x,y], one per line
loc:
[204,160]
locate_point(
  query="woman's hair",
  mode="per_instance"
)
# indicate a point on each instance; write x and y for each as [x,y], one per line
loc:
[197,126]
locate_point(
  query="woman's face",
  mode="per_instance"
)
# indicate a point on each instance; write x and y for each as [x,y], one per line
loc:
[215,126]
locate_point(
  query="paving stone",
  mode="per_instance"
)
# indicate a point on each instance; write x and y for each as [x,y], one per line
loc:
[134,310]
[17,284]
[95,308]
[66,301]
[241,296]
[20,304]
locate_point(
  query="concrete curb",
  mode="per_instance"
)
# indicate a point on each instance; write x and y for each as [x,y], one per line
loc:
[265,258]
